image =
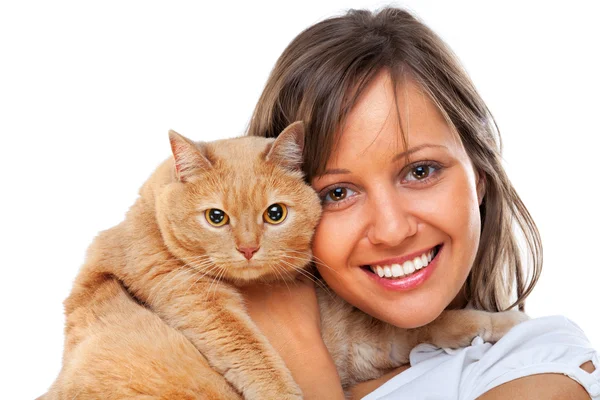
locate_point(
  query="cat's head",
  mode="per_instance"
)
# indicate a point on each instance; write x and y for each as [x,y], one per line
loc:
[239,209]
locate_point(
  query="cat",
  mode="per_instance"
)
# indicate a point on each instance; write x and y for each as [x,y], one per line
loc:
[215,216]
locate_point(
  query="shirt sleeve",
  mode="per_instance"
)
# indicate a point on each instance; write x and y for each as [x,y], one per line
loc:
[538,346]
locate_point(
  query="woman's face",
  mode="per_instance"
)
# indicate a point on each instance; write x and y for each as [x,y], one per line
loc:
[384,212]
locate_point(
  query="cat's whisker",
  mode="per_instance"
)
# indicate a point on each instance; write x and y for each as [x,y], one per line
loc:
[167,261]
[301,271]
[209,271]
[275,267]
[309,255]
[315,259]
[216,281]
[157,288]
[181,278]
[289,274]
[202,265]
[196,265]
[198,279]
[170,260]
[196,258]
[306,253]
[310,276]
[304,262]
[214,278]
[317,262]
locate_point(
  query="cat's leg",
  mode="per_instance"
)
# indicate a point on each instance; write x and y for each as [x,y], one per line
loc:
[117,349]
[385,347]
[457,328]
[213,317]
[364,348]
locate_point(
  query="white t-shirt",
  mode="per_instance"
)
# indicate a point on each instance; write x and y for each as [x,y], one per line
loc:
[543,345]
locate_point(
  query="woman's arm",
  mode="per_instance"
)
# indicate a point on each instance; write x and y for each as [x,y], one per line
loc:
[362,389]
[288,315]
[542,386]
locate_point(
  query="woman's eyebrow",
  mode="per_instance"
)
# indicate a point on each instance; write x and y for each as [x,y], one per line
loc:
[342,171]
[336,171]
[415,149]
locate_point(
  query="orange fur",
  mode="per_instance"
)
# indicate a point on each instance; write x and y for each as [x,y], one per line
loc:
[167,256]
[120,350]
[155,311]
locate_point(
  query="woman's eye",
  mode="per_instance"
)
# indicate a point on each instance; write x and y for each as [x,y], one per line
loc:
[216,217]
[338,194]
[420,172]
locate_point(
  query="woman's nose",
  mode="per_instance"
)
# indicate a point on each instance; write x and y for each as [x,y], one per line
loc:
[391,220]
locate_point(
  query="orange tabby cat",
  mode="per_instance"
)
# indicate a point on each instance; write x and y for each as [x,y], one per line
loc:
[155,312]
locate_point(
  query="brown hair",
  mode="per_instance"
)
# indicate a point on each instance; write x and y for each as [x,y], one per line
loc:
[323,71]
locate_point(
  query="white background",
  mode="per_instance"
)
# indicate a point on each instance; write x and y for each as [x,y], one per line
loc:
[89,90]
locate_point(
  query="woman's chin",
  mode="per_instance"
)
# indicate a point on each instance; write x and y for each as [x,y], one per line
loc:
[413,319]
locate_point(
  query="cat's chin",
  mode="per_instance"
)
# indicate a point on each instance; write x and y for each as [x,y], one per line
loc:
[245,276]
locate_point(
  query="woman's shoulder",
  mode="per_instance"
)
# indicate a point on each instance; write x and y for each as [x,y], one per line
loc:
[544,345]
[538,346]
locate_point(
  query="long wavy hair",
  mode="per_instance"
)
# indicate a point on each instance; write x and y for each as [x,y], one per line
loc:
[319,78]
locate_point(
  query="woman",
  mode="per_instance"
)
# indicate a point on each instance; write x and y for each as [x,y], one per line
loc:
[406,157]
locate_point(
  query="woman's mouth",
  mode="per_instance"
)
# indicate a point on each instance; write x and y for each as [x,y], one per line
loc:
[407,275]
[407,268]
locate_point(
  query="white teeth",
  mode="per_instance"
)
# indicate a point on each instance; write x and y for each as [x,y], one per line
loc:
[408,267]
[387,271]
[397,270]
[418,263]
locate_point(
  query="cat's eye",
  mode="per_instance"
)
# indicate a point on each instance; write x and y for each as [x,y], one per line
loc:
[216,217]
[275,213]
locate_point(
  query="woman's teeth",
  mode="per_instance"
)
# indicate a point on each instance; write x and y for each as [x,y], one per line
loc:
[399,270]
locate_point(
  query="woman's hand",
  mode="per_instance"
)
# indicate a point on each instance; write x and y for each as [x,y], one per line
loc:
[288,315]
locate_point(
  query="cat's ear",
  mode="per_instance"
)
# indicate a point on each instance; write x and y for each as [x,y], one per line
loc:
[188,156]
[287,149]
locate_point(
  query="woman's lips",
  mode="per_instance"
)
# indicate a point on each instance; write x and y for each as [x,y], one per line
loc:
[406,282]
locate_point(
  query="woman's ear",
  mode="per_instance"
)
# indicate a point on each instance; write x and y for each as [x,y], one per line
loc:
[481,185]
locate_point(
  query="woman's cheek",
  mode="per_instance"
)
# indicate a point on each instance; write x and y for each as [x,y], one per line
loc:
[328,241]
[335,238]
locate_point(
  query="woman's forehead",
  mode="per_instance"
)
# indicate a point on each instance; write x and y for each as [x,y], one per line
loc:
[381,119]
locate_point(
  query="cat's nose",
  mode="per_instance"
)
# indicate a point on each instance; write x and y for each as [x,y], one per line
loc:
[248,252]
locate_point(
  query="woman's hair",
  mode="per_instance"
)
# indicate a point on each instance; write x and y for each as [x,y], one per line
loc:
[319,78]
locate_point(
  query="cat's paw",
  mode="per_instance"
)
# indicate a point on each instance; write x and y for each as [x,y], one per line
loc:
[458,328]
[501,323]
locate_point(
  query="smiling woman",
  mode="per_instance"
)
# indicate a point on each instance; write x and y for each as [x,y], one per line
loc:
[419,215]
[90,88]
[398,207]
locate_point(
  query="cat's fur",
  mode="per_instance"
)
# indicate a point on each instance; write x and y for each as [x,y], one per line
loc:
[155,311]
